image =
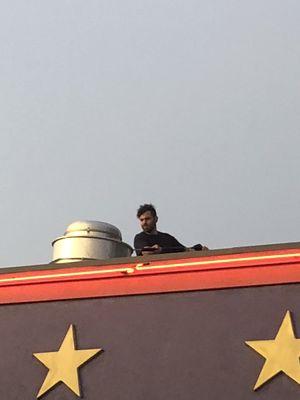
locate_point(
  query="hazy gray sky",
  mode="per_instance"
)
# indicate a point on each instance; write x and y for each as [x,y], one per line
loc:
[191,105]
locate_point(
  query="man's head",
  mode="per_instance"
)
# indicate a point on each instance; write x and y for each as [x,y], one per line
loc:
[148,218]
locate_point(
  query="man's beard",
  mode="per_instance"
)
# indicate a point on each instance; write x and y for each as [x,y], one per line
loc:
[148,229]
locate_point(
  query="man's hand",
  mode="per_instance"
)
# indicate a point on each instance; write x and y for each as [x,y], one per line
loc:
[197,247]
[155,249]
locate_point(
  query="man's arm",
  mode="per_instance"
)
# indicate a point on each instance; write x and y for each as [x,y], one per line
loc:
[172,245]
[178,247]
[138,244]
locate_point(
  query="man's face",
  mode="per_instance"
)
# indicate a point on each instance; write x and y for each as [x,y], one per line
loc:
[148,222]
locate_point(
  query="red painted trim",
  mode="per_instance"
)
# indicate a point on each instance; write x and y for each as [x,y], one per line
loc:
[185,274]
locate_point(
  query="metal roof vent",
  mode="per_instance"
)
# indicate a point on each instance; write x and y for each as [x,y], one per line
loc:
[89,240]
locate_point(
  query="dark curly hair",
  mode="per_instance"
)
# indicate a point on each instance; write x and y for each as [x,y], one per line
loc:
[146,207]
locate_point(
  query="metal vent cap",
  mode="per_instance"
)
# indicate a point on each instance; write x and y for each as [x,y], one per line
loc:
[93,229]
[90,240]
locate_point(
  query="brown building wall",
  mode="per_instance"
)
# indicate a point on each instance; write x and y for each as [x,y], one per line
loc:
[176,346]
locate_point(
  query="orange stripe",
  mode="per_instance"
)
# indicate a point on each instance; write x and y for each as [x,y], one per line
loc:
[143,267]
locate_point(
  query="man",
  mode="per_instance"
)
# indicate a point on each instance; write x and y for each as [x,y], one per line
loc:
[150,240]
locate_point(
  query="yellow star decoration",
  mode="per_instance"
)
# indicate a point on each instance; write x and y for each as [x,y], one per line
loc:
[281,354]
[64,363]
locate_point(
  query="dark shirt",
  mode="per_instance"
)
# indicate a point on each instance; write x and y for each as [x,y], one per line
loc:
[167,242]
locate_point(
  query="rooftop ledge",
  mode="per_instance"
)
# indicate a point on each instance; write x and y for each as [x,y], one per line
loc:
[189,271]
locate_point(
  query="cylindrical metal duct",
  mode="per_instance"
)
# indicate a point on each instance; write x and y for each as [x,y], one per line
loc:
[89,240]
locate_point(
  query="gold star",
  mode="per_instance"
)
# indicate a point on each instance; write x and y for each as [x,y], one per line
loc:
[63,364]
[281,354]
